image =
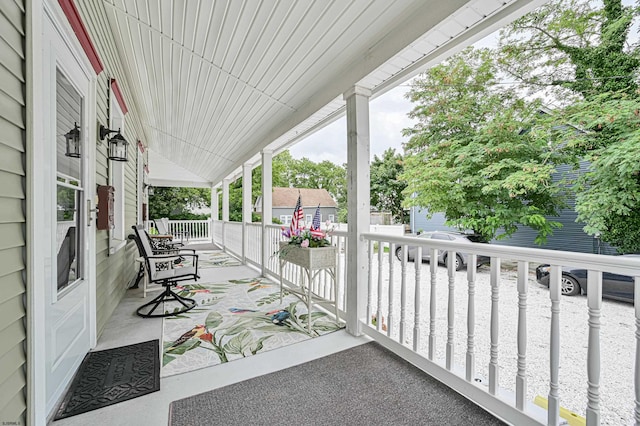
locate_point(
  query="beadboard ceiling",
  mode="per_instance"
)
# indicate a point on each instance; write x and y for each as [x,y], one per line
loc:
[217,81]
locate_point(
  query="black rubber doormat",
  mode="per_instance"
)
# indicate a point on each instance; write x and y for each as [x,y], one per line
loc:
[111,376]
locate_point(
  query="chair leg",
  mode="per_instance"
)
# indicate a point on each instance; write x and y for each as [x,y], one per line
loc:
[165,296]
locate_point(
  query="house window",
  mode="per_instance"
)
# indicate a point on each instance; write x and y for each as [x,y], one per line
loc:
[285,219]
[309,218]
[331,218]
[117,237]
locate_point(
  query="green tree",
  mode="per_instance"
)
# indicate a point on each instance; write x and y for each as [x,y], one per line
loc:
[480,154]
[386,187]
[578,47]
[582,53]
[290,172]
[178,203]
[608,194]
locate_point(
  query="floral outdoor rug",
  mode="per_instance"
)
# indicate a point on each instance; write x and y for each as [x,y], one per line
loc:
[235,319]
[212,259]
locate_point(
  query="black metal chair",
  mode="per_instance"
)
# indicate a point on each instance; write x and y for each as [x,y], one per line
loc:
[162,269]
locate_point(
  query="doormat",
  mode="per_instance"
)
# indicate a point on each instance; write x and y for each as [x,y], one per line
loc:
[112,376]
[211,259]
[235,319]
[368,384]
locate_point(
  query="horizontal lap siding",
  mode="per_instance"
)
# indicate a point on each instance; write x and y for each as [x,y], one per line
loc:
[12,216]
[115,271]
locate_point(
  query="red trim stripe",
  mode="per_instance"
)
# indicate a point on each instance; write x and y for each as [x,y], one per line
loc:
[119,97]
[70,10]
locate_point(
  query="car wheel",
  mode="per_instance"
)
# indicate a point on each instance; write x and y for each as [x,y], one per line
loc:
[459,263]
[569,286]
[399,253]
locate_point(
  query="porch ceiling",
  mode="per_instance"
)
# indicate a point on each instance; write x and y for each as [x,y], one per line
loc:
[217,81]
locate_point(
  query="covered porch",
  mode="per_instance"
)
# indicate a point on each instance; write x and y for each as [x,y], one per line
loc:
[217,89]
[125,328]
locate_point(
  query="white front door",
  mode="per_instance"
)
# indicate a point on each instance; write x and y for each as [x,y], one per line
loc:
[69,284]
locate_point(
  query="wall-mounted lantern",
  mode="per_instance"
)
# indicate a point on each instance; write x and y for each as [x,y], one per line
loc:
[73,142]
[118,145]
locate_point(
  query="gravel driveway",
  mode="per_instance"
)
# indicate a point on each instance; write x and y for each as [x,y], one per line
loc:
[617,336]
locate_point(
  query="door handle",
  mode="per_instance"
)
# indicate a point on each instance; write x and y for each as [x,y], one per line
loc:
[89,210]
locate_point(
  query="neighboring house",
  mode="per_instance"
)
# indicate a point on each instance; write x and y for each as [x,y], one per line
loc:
[284,201]
[570,237]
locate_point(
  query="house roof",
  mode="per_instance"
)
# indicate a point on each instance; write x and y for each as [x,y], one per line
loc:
[311,197]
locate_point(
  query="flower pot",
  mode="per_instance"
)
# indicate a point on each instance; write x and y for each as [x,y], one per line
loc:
[310,258]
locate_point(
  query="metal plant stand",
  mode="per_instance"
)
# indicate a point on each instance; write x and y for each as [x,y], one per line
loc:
[312,261]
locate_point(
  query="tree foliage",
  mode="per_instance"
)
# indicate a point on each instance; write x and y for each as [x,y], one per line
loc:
[178,203]
[578,57]
[576,46]
[585,50]
[479,153]
[386,187]
[608,194]
[290,172]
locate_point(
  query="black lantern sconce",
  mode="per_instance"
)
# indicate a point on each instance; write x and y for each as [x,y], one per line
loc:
[73,142]
[118,145]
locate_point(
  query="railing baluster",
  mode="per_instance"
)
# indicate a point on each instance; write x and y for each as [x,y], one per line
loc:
[521,375]
[370,284]
[553,410]
[391,317]
[379,317]
[403,296]
[433,264]
[470,365]
[417,262]
[432,303]
[594,303]
[451,274]
[636,374]
[495,308]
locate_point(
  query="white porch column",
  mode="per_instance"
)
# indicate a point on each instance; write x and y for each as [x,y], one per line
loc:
[215,208]
[246,207]
[225,206]
[215,214]
[225,199]
[267,197]
[358,196]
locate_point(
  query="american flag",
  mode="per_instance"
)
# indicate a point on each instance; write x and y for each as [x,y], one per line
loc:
[297,217]
[315,225]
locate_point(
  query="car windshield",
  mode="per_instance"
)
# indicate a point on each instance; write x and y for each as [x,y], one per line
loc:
[476,238]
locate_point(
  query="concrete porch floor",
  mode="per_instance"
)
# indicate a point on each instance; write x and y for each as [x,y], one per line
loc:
[126,328]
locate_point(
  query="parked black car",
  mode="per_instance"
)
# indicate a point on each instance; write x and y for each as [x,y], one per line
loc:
[461,258]
[574,281]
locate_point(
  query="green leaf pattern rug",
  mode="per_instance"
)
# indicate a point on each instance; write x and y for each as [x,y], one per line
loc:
[235,319]
[211,259]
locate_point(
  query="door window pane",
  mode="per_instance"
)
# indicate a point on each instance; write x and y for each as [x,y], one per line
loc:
[69,190]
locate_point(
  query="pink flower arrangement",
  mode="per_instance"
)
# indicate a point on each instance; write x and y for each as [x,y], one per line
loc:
[304,237]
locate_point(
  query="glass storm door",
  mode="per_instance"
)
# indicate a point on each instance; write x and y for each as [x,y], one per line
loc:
[68,309]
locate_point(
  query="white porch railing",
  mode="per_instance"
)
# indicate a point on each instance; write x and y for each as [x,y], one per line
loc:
[191,230]
[229,236]
[452,325]
[187,230]
[471,329]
